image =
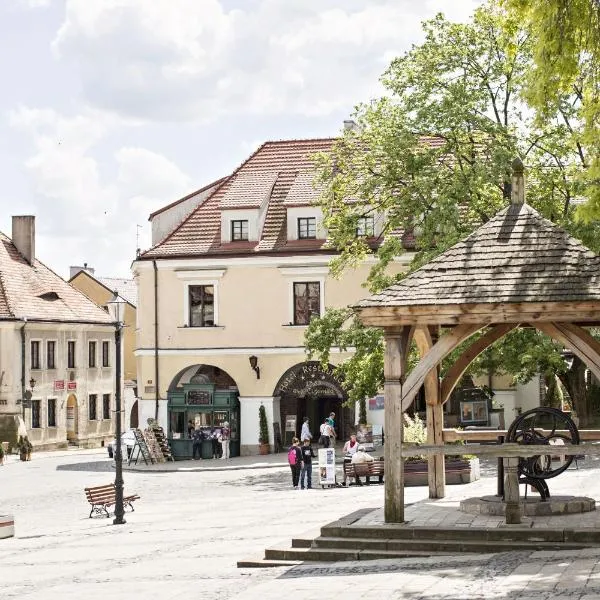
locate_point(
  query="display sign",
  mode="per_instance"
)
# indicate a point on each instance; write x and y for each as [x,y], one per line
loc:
[474,411]
[71,385]
[364,436]
[376,403]
[290,423]
[310,380]
[198,397]
[59,385]
[142,448]
[326,466]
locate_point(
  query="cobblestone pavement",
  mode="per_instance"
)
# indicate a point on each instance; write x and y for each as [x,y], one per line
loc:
[190,528]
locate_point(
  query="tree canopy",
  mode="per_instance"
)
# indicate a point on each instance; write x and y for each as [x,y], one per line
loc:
[430,162]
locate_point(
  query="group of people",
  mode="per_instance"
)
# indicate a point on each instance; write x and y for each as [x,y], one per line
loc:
[301,453]
[219,436]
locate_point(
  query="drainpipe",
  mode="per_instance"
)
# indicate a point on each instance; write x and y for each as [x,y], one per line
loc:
[156,390]
[23,367]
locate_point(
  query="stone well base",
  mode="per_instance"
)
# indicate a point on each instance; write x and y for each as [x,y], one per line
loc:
[531,507]
[7,526]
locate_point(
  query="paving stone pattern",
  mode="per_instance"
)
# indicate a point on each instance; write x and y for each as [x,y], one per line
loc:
[190,528]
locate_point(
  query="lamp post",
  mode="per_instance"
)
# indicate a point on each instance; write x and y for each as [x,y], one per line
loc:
[117,303]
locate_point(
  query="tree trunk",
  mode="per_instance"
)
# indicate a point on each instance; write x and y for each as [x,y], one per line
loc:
[553,397]
[574,381]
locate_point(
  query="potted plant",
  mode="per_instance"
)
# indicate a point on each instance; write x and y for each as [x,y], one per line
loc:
[25,447]
[263,431]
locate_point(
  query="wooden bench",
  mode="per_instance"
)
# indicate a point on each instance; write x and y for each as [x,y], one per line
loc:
[103,496]
[368,469]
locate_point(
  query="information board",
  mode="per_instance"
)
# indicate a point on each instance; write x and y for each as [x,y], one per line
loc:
[326,466]
[198,397]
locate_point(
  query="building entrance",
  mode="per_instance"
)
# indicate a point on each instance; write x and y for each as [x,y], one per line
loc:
[308,390]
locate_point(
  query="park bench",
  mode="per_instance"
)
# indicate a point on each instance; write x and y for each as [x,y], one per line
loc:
[369,469]
[103,496]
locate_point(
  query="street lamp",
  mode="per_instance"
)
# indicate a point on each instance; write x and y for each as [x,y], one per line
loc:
[117,305]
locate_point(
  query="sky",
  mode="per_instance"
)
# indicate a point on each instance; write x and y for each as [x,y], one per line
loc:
[111,109]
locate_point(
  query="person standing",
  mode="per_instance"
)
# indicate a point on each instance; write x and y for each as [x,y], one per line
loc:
[306,471]
[225,437]
[295,461]
[305,433]
[325,433]
[197,443]
[331,423]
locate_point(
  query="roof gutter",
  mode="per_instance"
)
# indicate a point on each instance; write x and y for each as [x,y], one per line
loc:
[23,367]
[156,369]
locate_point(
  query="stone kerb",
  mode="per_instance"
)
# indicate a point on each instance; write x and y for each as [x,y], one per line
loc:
[531,507]
[7,526]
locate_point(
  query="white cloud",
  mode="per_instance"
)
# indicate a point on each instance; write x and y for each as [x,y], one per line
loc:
[35,3]
[85,213]
[185,60]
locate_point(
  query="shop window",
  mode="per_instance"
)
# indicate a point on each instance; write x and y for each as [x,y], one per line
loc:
[106,406]
[106,354]
[365,227]
[70,355]
[307,301]
[201,305]
[35,355]
[51,355]
[36,410]
[92,407]
[239,231]
[91,354]
[52,412]
[307,228]
[177,425]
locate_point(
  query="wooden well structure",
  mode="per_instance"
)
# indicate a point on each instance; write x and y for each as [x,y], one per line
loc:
[517,270]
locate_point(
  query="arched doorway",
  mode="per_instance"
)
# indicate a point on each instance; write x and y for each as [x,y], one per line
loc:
[309,390]
[72,419]
[133,416]
[202,397]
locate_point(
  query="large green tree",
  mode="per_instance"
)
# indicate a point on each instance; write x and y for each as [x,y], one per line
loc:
[565,37]
[431,160]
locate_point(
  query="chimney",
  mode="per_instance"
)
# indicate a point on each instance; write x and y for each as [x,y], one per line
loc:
[23,236]
[74,270]
[517,188]
[350,125]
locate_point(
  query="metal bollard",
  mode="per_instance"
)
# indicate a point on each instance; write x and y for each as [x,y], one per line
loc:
[500,490]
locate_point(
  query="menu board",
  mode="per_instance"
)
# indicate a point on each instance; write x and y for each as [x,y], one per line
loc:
[198,397]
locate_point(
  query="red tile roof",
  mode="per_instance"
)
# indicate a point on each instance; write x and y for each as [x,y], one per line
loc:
[273,167]
[37,293]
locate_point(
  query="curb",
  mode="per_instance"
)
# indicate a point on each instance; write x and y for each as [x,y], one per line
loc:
[151,469]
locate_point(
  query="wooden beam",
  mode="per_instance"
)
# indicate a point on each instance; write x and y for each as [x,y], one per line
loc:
[577,340]
[432,358]
[511,450]
[453,435]
[397,346]
[469,355]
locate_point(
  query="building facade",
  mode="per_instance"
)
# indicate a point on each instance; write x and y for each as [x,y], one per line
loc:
[57,353]
[226,295]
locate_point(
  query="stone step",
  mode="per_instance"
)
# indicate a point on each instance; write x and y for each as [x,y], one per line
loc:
[492,534]
[302,542]
[338,554]
[436,546]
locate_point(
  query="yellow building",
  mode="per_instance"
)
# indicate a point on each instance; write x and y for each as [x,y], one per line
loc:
[225,295]
[101,290]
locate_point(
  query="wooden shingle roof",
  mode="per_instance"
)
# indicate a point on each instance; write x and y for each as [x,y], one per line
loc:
[516,257]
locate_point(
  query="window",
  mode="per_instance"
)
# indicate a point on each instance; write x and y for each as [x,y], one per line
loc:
[106,354]
[307,228]
[106,406]
[35,414]
[239,231]
[307,301]
[202,305]
[51,355]
[35,355]
[365,227]
[70,355]
[51,412]
[92,401]
[91,354]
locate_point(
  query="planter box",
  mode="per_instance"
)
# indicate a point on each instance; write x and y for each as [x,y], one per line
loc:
[457,472]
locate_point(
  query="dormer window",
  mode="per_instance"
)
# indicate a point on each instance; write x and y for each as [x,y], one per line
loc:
[239,231]
[365,227]
[307,228]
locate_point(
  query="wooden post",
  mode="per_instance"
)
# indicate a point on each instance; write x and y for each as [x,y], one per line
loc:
[511,491]
[397,344]
[436,472]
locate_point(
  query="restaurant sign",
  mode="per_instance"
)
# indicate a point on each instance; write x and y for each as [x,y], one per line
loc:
[310,380]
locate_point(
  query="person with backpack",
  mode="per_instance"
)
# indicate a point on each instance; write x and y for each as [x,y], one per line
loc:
[306,472]
[295,461]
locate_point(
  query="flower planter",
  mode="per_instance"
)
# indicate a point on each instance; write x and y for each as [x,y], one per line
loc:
[458,471]
[263,448]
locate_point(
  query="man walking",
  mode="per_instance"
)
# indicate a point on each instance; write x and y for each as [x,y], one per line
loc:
[305,433]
